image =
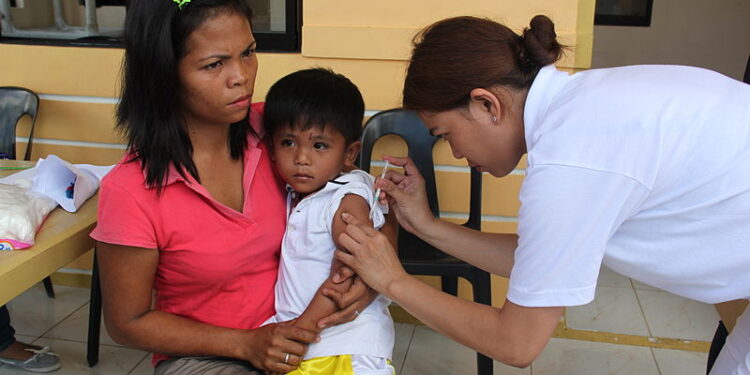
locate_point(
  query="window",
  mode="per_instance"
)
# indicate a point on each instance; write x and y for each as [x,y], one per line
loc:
[99,22]
[623,12]
[276,24]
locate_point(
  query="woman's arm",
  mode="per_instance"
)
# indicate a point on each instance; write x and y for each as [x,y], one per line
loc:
[513,334]
[127,276]
[492,252]
[321,306]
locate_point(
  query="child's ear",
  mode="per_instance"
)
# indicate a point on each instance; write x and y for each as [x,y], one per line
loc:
[350,156]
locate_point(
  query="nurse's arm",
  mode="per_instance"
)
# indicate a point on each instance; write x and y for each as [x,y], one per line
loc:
[492,252]
[512,334]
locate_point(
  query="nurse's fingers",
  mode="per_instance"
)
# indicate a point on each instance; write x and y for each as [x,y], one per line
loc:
[357,229]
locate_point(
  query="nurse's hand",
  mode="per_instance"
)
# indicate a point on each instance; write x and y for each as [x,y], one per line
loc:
[370,255]
[406,195]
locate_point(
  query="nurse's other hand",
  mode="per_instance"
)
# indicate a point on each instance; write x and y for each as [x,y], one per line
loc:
[370,255]
[406,195]
[350,304]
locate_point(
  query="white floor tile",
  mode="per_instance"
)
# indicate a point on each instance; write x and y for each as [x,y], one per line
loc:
[641,286]
[112,360]
[404,334]
[610,278]
[680,362]
[432,353]
[33,313]
[503,369]
[76,327]
[574,357]
[144,367]
[613,310]
[668,315]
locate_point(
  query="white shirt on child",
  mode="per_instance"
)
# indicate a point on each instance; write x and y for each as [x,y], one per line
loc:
[306,255]
[643,168]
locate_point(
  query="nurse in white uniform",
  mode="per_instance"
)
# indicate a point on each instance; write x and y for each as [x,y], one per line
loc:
[645,169]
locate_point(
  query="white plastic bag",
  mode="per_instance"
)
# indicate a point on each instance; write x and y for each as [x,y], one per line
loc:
[22,211]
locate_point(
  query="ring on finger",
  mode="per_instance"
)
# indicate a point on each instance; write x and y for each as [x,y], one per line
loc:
[286,358]
[356,312]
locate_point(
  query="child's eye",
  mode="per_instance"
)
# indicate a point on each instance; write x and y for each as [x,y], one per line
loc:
[286,143]
[320,146]
[213,65]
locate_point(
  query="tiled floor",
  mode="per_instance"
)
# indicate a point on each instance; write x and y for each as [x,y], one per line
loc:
[621,307]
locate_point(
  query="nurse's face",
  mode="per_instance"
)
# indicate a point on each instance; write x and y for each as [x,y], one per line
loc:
[490,146]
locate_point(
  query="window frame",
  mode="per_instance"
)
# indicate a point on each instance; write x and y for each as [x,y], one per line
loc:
[288,41]
[625,20]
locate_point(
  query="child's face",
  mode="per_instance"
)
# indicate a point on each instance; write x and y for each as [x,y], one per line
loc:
[308,159]
[218,71]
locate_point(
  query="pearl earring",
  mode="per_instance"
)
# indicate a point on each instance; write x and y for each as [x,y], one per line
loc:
[494,119]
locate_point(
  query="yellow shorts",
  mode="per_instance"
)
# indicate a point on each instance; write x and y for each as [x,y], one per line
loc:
[342,365]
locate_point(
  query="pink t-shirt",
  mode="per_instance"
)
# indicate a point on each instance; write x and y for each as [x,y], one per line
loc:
[216,265]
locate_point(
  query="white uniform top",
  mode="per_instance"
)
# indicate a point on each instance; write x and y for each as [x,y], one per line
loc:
[306,256]
[643,168]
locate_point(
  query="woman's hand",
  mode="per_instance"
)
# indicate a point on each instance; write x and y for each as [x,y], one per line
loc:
[370,255]
[406,195]
[276,348]
[351,303]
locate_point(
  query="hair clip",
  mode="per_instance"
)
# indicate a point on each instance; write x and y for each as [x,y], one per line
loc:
[181,3]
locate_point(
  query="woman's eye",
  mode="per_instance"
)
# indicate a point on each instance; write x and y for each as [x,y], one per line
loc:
[213,65]
[320,146]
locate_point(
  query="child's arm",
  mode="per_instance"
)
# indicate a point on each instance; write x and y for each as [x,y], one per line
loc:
[321,306]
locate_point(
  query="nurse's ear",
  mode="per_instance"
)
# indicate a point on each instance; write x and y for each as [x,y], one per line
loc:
[485,106]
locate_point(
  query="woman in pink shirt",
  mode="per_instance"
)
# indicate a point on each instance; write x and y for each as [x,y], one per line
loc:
[193,216]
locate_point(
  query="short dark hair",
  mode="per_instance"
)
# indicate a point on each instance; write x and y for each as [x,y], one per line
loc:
[151,109]
[315,97]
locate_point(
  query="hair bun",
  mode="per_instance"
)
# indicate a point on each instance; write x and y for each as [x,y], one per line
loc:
[540,41]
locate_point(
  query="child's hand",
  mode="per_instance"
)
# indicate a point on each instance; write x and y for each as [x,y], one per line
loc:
[342,274]
[351,303]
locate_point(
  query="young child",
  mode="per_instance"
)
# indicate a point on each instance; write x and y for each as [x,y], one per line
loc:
[315,119]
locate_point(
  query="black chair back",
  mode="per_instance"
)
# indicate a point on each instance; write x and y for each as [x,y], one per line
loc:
[408,126]
[15,102]
[417,256]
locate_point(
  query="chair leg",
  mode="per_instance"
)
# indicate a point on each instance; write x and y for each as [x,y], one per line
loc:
[95,316]
[449,284]
[48,287]
[481,286]
[720,338]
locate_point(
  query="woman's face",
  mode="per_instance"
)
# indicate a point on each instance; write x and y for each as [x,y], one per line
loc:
[218,71]
[489,146]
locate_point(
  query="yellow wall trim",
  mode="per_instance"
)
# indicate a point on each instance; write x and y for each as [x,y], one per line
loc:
[394,43]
